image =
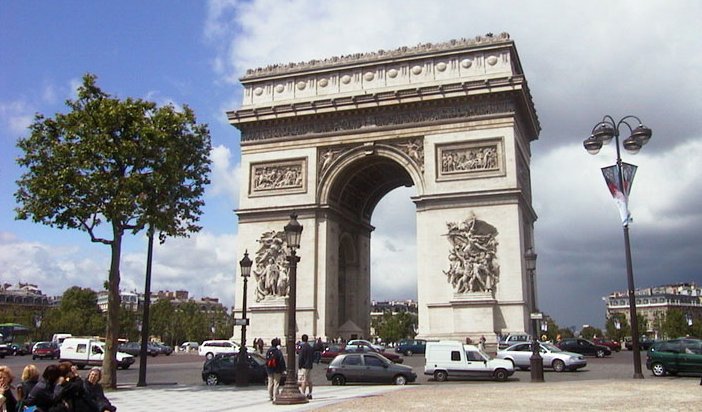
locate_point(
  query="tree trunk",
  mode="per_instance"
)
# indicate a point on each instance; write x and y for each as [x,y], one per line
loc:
[109,363]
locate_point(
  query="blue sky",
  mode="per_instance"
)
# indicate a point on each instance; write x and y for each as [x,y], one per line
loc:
[582,60]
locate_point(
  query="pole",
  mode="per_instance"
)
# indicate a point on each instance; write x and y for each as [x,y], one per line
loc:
[145,316]
[290,394]
[242,372]
[632,307]
[536,362]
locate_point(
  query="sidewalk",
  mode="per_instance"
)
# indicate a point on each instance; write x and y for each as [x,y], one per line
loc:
[674,394]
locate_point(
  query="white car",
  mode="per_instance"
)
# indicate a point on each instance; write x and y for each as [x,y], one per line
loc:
[452,359]
[553,357]
[210,348]
[362,342]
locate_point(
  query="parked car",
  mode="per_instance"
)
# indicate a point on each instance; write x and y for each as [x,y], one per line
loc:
[511,339]
[370,367]
[452,359]
[614,345]
[189,346]
[20,349]
[221,369]
[378,348]
[44,350]
[331,351]
[676,355]
[209,348]
[584,347]
[645,343]
[134,349]
[163,349]
[552,356]
[408,347]
[362,348]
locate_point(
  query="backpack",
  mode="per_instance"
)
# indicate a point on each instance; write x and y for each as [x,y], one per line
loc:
[271,360]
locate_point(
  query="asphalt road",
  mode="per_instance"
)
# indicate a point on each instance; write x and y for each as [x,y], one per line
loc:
[186,369]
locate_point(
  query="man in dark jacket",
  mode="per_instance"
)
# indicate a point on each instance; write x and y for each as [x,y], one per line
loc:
[275,366]
[305,366]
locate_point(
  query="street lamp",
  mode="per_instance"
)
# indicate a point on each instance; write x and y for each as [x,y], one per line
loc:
[242,367]
[619,178]
[291,394]
[536,362]
[147,304]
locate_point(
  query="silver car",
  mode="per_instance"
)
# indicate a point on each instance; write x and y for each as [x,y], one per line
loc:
[553,357]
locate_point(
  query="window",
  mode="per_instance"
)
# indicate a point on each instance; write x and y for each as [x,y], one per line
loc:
[455,355]
[81,348]
[522,348]
[372,361]
[474,356]
[352,360]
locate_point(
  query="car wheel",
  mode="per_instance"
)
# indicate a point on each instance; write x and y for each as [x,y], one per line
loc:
[440,376]
[658,369]
[400,380]
[212,379]
[209,355]
[500,375]
[408,353]
[558,365]
[600,353]
[125,367]
[34,357]
[338,380]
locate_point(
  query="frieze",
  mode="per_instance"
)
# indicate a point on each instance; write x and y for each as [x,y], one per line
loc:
[422,48]
[389,117]
[482,158]
[414,148]
[271,267]
[276,177]
[472,258]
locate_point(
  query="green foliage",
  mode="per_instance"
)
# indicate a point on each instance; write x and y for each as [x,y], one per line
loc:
[564,333]
[126,163]
[624,328]
[590,332]
[78,314]
[175,324]
[393,327]
[675,324]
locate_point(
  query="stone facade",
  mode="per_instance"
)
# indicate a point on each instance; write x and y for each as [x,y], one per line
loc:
[328,139]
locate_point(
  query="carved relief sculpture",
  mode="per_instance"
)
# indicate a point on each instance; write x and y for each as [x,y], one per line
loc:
[414,148]
[469,159]
[279,176]
[472,256]
[271,266]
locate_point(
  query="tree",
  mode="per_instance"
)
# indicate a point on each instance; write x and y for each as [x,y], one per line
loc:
[78,314]
[393,327]
[611,327]
[122,163]
[675,324]
[590,332]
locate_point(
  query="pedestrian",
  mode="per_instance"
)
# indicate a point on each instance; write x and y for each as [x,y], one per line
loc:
[305,366]
[481,344]
[30,377]
[260,345]
[8,402]
[318,348]
[94,392]
[275,366]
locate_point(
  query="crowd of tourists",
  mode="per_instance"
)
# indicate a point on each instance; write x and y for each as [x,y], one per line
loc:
[59,388]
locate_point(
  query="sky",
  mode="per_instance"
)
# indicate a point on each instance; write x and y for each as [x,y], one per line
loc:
[583,60]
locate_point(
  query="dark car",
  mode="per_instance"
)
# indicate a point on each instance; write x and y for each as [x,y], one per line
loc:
[20,349]
[363,348]
[369,367]
[408,347]
[583,347]
[645,343]
[5,350]
[44,350]
[162,349]
[675,355]
[614,345]
[222,369]
[134,349]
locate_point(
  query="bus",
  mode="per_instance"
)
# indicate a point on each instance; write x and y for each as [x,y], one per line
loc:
[13,337]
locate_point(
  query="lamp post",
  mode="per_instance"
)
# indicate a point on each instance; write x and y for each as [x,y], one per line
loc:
[536,362]
[242,367]
[619,178]
[291,394]
[145,315]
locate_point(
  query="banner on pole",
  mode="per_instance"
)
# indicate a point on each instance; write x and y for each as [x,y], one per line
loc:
[620,189]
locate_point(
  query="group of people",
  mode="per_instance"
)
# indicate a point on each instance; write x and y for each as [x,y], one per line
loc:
[275,366]
[58,389]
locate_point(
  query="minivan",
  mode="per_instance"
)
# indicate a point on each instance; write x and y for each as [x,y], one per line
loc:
[84,352]
[452,359]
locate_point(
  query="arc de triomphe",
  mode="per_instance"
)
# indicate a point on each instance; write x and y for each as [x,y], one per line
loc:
[329,138]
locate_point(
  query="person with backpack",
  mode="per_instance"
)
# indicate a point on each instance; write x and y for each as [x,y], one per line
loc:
[275,366]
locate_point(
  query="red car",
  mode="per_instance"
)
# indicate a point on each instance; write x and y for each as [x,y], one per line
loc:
[612,344]
[335,349]
[43,350]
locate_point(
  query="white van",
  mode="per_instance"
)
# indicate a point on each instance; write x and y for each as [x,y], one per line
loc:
[58,338]
[453,359]
[88,351]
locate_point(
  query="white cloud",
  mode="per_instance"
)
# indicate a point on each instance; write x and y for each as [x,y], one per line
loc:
[16,116]
[225,178]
